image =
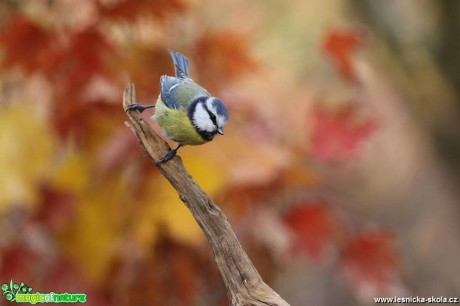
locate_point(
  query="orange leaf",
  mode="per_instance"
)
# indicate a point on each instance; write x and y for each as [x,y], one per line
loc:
[129,10]
[145,65]
[222,56]
[339,45]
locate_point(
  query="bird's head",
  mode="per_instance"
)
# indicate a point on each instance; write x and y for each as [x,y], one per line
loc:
[209,116]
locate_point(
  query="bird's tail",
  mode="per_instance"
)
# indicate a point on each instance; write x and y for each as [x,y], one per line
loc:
[180,64]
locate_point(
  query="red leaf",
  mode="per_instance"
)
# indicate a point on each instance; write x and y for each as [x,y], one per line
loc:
[16,262]
[81,119]
[315,227]
[338,134]
[65,276]
[25,44]
[245,196]
[55,207]
[75,63]
[45,273]
[121,152]
[179,274]
[339,45]
[370,261]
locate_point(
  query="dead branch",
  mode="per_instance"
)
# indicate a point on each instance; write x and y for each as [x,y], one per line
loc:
[243,282]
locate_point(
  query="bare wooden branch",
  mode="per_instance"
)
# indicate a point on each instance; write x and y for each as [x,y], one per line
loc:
[243,282]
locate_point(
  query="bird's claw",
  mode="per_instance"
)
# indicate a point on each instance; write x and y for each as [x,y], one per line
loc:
[168,156]
[136,106]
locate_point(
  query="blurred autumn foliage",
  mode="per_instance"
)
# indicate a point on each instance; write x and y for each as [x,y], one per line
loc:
[329,171]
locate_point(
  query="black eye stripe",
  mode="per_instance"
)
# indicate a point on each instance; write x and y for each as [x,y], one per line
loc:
[211,115]
[213,118]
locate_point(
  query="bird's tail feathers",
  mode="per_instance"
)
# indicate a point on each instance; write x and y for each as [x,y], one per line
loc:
[180,64]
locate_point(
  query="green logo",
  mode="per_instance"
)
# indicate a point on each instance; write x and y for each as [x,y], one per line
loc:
[21,293]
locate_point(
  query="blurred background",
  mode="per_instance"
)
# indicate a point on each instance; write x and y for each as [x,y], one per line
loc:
[339,170]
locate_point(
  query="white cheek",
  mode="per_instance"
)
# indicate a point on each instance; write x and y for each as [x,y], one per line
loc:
[202,120]
[221,122]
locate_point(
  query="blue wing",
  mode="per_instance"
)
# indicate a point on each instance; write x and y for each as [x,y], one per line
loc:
[179,91]
[168,96]
[180,64]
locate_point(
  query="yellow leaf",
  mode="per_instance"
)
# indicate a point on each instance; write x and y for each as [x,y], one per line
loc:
[163,208]
[26,148]
[93,237]
[72,172]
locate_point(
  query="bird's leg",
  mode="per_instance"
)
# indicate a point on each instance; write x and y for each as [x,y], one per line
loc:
[138,107]
[170,154]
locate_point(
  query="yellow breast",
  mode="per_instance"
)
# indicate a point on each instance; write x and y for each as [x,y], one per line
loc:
[176,124]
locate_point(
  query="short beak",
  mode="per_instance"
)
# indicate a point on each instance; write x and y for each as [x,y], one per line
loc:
[220,131]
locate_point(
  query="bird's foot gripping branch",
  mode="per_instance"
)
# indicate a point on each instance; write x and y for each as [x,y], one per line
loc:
[242,281]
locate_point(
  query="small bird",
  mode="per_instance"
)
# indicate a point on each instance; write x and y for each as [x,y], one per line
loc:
[185,111]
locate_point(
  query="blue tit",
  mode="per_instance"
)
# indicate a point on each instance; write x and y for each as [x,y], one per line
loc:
[185,111]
